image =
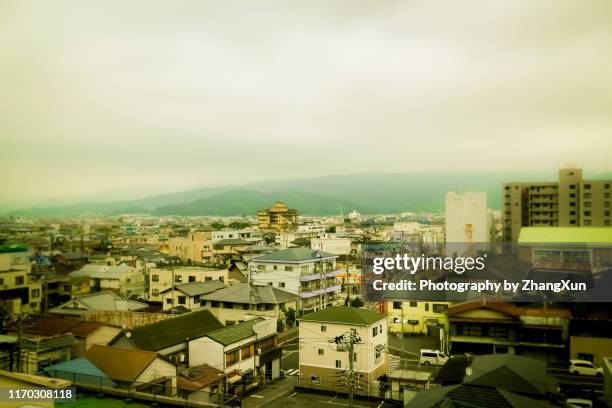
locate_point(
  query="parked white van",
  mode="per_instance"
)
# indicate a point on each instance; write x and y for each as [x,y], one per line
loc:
[433,357]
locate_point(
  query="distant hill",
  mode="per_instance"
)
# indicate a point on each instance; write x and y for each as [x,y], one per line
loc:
[368,193]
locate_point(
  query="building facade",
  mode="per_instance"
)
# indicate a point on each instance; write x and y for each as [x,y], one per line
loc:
[568,202]
[324,363]
[309,273]
[277,218]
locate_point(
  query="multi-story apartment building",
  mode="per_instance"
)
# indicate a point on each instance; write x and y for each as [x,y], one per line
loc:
[277,218]
[568,202]
[323,362]
[162,279]
[309,273]
[195,247]
[247,234]
[466,218]
[18,291]
[121,279]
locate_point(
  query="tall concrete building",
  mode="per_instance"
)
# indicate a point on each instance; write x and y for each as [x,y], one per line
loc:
[467,220]
[277,218]
[570,201]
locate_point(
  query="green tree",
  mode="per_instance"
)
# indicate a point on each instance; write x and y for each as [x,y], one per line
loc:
[290,317]
[217,225]
[357,302]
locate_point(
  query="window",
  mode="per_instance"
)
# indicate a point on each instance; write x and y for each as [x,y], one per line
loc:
[606,195]
[354,357]
[207,278]
[572,212]
[261,267]
[247,351]
[231,358]
[168,301]
[181,300]
[154,278]
[192,278]
[35,293]
[439,308]
[606,203]
[572,204]
[498,332]
[19,280]
[338,364]
[281,285]
[587,204]
[67,288]
[427,307]
[315,379]
[155,292]
[572,195]
[288,268]
[587,186]
[587,195]
[587,213]
[607,185]
[323,329]
[216,304]
[2,283]
[397,305]
[572,186]
[321,352]
[374,331]
[269,283]
[587,222]
[304,268]
[178,278]
[377,355]
[413,304]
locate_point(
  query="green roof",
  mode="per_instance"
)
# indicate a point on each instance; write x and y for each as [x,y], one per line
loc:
[235,333]
[344,315]
[567,235]
[4,249]
[175,330]
[298,254]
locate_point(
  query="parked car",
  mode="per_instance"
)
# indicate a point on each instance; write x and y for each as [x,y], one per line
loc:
[578,403]
[432,357]
[584,367]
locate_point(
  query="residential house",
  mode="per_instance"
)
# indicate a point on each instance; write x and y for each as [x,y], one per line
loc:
[417,317]
[86,333]
[20,381]
[188,294]
[169,337]
[225,250]
[483,327]
[162,279]
[36,352]
[105,301]
[18,291]
[201,384]
[143,371]
[309,273]
[79,371]
[121,279]
[246,352]
[324,362]
[237,302]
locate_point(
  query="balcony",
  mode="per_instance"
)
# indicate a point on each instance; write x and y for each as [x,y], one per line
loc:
[317,292]
[317,275]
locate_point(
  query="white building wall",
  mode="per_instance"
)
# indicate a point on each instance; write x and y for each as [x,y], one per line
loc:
[206,351]
[465,213]
[158,369]
[336,246]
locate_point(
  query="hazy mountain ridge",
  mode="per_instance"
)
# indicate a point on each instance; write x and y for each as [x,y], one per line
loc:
[366,193]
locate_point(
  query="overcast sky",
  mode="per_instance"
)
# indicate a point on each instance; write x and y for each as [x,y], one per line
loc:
[110,95]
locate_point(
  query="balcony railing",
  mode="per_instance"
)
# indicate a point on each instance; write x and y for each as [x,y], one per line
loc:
[309,276]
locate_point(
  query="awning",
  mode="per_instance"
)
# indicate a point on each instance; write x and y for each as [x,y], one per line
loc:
[234,379]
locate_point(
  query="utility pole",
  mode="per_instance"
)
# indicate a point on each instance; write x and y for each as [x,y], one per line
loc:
[346,342]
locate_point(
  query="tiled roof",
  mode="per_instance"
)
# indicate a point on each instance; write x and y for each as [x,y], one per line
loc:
[251,294]
[464,396]
[514,373]
[295,255]
[235,333]
[194,378]
[169,332]
[53,326]
[344,315]
[120,364]
[197,288]
[502,307]
[80,370]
